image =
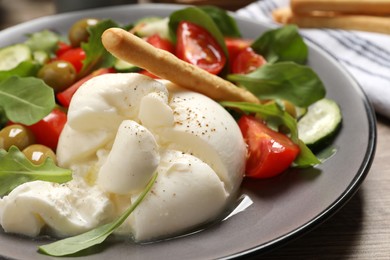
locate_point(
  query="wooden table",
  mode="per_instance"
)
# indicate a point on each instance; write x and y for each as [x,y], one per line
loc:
[360,230]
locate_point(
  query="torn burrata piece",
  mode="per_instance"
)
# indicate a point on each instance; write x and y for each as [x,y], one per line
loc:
[121,129]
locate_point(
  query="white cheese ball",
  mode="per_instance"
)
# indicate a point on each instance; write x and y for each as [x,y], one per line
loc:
[121,129]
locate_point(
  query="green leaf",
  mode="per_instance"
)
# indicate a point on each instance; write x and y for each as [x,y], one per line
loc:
[43,41]
[96,55]
[24,69]
[95,236]
[226,24]
[306,157]
[275,116]
[271,113]
[16,169]
[199,17]
[284,80]
[26,100]
[282,44]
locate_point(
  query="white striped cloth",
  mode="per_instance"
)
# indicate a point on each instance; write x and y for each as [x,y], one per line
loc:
[365,55]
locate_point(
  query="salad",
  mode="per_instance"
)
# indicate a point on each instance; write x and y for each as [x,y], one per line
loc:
[293,118]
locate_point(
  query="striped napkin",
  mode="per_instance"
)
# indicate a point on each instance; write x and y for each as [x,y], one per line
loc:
[365,55]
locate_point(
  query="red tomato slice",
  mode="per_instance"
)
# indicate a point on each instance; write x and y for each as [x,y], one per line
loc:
[74,56]
[47,131]
[246,61]
[235,45]
[270,152]
[197,46]
[65,96]
[160,43]
[62,47]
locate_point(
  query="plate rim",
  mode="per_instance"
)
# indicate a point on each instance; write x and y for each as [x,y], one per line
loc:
[328,212]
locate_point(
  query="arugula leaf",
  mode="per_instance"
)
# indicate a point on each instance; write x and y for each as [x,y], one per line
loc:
[283,80]
[269,112]
[26,100]
[43,41]
[96,55]
[306,157]
[274,115]
[199,17]
[27,68]
[282,44]
[226,24]
[95,236]
[16,169]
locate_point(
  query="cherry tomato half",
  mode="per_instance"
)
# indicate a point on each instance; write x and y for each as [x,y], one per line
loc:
[74,56]
[160,43]
[198,47]
[62,47]
[235,45]
[47,131]
[246,61]
[269,152]
[65,96]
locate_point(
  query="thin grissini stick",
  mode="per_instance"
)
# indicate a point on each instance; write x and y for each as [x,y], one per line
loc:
[371,7]
[378,24]
[128,47]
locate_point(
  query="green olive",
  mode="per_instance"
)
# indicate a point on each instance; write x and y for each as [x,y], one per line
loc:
[38,153]
[17,135]
[58,74]
[78,33]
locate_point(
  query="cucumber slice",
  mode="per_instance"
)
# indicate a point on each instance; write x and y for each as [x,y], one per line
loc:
[41,57]
[123,66]
[321,122]
[153,25]
[13,55]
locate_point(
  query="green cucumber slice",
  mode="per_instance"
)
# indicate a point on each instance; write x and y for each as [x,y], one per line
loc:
[41,57]
[152,25]
[321,122]
[12,56]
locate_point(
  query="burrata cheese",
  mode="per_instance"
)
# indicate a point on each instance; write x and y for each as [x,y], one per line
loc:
[121,129]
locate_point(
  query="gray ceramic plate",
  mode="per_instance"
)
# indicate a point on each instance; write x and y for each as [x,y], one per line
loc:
[284,207]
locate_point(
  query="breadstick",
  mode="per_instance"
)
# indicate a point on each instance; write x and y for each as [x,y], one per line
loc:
[372,7]
[378,24]
[130,48]
[282,15]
